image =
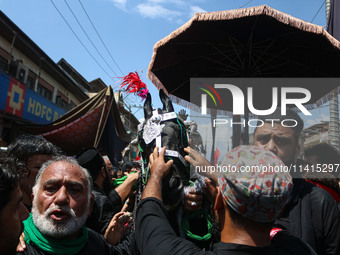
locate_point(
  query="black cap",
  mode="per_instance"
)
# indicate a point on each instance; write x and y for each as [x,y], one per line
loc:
[91,159]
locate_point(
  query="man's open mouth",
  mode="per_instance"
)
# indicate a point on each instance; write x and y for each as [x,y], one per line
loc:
[59,215]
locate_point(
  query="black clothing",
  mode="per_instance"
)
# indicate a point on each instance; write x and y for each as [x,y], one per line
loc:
[96,244]
[154,235]
[312,215]
[104,208]
[28,207]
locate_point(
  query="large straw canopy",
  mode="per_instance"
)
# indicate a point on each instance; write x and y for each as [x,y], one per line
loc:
[252,42]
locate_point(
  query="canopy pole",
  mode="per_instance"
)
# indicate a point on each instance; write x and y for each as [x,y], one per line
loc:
[236,131]
[213,116]
[334,120]
[328,6]
[245,138]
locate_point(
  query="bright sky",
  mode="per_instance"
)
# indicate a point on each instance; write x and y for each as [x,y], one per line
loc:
[128,28]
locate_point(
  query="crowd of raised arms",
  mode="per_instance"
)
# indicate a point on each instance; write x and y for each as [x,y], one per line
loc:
[51,203]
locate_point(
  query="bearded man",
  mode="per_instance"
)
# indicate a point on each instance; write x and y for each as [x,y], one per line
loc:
[62,201]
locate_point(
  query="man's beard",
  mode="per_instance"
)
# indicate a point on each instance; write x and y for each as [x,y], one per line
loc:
[53,229]
[107,185]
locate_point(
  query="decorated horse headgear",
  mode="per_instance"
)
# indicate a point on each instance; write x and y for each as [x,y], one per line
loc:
[164,128]
[153,131]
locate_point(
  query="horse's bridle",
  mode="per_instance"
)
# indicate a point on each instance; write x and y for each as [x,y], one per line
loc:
[153,130]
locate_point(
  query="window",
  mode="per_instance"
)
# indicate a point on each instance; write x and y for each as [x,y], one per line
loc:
[3,64]
[44,92]
[30,82]
[60,102]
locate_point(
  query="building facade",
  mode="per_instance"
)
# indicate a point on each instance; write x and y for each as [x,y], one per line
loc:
[33,88]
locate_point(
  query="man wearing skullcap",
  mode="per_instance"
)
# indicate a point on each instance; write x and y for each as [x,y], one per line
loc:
[246,205]
[107,201]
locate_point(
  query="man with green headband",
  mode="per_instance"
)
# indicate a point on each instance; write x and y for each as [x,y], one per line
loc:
[62,201]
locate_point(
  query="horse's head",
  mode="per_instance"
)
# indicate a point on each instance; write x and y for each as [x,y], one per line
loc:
[162,128]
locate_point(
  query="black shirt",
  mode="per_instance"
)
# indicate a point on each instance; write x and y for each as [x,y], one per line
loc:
[104,208]
[312,215]
[154,235]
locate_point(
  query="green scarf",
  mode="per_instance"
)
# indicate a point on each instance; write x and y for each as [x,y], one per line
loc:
[119,181]
[192,215]
[69,247]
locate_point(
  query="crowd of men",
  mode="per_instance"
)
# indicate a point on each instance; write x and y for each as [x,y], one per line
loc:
[51,203]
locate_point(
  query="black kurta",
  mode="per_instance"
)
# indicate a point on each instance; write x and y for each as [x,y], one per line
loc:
[104,208]
[312,215]
[154,235]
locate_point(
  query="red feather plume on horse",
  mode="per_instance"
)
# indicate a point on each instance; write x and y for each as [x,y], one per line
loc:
[134,85]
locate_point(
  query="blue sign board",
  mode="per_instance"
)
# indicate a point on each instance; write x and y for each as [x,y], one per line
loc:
[21,101]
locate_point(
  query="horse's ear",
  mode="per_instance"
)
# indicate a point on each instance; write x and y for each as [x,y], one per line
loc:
[167,104]
[147,107]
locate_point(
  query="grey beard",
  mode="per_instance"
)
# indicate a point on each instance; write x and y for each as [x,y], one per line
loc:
[57,230]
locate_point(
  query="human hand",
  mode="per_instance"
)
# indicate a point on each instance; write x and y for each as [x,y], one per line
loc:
[192,201]
[183,114]
[158,167]
[211,190]
[133,177]
[200,163]
[21,245]
[117,227]
[195,158]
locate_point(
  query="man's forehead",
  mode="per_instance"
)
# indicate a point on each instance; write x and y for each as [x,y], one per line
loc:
[277,128]
[63,170]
